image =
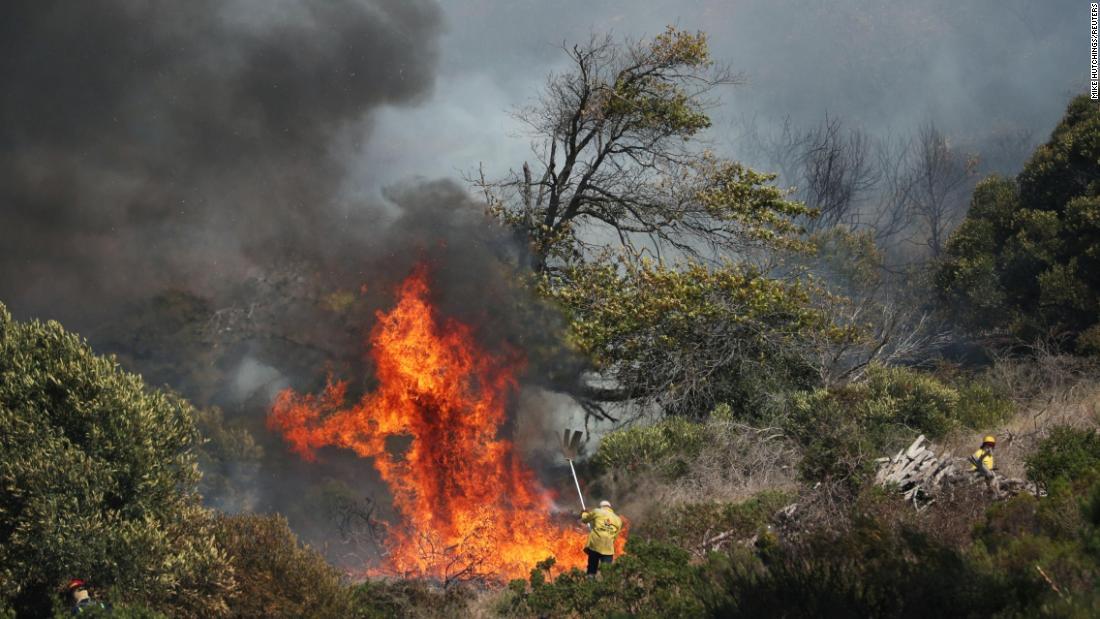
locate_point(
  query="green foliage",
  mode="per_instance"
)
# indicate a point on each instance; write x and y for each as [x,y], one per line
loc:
[618,131]
[735,195]
[651,580]
[656,100]
[1039,544]
[980,405]
[838,434]
[97,480]
[875,569]
[277,576]
[229,458]
[1068,453]
[694,336]
[844,429]
[1027,258]
[850,261]
[912,399]
[379,599]
[666,447]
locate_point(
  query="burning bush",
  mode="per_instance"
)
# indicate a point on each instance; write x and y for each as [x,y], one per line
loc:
[469,507]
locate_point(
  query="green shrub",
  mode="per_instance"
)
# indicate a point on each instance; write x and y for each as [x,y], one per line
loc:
[980,406]
[910,398]
[111,611]
[885,562]
[876,569]
[844,429]
[277,576]
[1068,453]
[229,458]
[97,480]
[838,442]
[651,580]
[666,446]
[1033,542]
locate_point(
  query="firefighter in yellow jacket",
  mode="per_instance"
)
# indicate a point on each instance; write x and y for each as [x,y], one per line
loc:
[605,525]
[982,460]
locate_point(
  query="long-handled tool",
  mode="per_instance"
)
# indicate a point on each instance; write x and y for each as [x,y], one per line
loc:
[570,443]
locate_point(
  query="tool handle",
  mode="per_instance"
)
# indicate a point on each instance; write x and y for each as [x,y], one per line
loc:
[578,484]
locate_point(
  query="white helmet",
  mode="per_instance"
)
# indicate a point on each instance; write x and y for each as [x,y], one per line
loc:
[605,503]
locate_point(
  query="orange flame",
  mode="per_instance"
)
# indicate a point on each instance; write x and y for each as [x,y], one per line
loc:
[469,506]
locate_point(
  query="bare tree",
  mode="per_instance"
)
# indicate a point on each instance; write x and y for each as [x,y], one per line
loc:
[939,178]
[831,168]
[892,213]
[837,172]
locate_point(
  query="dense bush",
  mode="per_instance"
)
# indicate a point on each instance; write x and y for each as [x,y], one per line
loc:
[1026,259]
[97,480]
[229,458]
[277,576]
[1047,545]
[981,406]
[1068,453]
[844,429]
[875,569]
[665,447]
[110,612]
[651,580]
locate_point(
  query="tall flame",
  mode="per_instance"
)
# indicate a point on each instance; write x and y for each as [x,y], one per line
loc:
[469,506]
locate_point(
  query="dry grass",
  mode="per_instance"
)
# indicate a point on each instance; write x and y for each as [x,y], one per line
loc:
[738,462]
[741,462]
[1049,390]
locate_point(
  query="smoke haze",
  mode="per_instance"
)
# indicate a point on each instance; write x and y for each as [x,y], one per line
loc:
[153,144]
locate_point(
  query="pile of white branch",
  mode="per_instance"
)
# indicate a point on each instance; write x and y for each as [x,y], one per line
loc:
[917,471]
[920,474]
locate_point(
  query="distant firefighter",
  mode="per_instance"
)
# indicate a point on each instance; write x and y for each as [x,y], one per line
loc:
[605,526]
[982,460]
[81,600]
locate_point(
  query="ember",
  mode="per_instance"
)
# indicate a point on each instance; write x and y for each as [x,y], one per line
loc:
[469,506]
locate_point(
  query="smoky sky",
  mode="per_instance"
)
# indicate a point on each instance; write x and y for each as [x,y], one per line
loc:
[977,69]
[157,144]
[148,144]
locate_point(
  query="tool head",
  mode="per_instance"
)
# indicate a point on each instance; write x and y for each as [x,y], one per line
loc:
[571,443]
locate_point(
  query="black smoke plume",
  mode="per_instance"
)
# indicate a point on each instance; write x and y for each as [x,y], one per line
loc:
[157,144]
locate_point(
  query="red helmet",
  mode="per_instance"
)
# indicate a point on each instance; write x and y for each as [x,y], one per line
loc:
[76,583]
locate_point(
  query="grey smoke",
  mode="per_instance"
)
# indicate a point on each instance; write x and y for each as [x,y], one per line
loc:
[178,144]
[979,69]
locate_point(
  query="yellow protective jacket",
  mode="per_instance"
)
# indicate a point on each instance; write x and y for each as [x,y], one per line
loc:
[985,457]
[605,528]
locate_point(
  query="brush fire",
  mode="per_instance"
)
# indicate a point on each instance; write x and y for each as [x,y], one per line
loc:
[469,507]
